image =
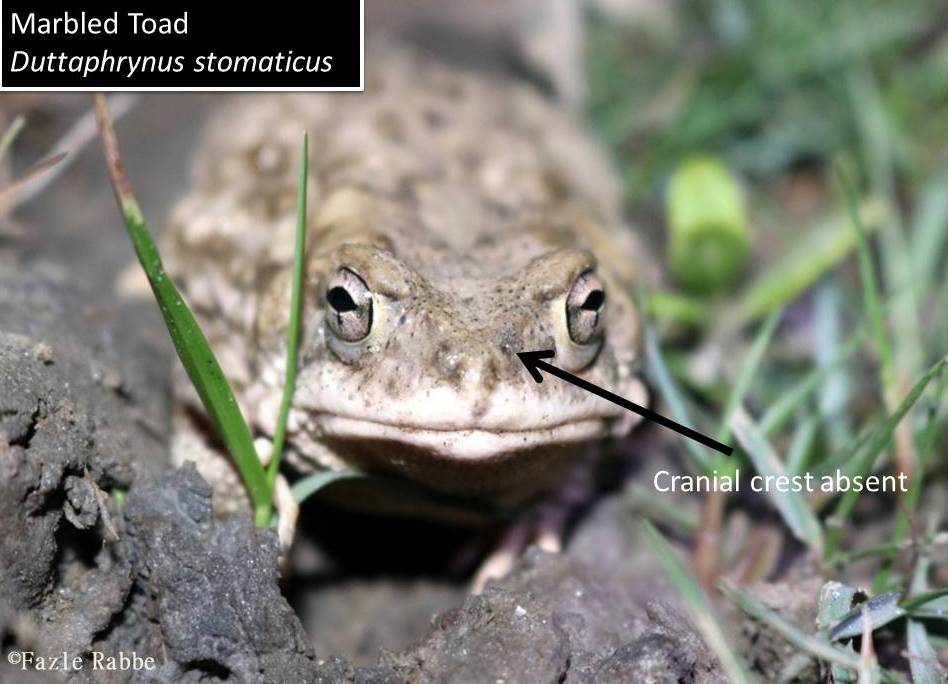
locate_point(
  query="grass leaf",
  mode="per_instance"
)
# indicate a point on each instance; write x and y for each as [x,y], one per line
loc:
[842,560]
[860,462]
[780,411]
[10,134]
[930,231]
[191,345]
[814,645]
[836,601]
[9,195]
[747,372]
[913,495]
[661,509]
[812,256]
[660,374]
[881,610]
[792,506]
[936,609]
[834,392]
[305,487]
[698,605]
[800,444]
[920,600]
[296,315]
[923,660]
[870,288]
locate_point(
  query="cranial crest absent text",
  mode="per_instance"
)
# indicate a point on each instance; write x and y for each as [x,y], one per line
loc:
[731,481]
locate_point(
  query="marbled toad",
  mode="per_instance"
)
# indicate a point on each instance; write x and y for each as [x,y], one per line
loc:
[454,220]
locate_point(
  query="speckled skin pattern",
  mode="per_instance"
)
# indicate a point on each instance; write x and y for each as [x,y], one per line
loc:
[468,207]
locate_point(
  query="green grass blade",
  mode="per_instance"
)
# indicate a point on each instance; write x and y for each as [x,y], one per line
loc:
[11,194]
[879,136]
[189,341]
[792,506]
[747,372]
[843,457]
[10,134]
[699,606]
[836,600]
[801,443]
[843,560]
[813,255]
[870,288]
[834,392]
[936,609]
[296,315]
[780,411]
[881,610]
[929,434]
[660,374]
[658,507]
[923,660]
[930,231]
[921,599]
[305,487]
[939,323]
[861,461]
[913,495]
[814,645]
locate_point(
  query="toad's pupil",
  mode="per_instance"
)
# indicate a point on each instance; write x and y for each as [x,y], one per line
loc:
[340,299]
[594,300]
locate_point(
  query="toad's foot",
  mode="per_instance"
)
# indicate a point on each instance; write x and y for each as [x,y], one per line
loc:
[287,508]
[544,526]
[521,534]
[288,512]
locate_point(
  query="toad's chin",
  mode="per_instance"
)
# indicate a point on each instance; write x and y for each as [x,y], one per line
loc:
[466,444]
[508,467]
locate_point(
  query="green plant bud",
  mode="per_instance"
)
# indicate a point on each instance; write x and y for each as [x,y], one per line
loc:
[708,236]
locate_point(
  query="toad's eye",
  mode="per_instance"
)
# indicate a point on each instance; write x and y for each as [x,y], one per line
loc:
[349,312]
[585,308]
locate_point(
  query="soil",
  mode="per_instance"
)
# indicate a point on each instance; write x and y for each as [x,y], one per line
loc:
[107,549]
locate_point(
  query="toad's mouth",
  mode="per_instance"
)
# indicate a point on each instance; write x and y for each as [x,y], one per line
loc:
[465,443]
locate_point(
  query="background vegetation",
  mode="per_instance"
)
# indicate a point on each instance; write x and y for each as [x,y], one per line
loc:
[826,349]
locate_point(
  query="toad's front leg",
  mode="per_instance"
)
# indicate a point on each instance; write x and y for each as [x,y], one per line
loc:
[544,524]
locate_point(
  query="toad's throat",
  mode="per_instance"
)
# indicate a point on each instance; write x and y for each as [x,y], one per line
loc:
[463,443]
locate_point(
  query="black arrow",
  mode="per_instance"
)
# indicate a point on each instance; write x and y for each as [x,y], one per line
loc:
[532,360]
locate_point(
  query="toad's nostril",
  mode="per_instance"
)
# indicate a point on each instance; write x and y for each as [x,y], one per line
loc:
[450,361]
